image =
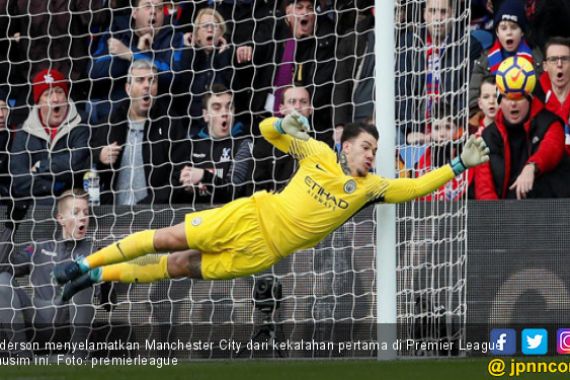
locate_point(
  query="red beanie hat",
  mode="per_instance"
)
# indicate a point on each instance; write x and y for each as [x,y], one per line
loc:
[46,79]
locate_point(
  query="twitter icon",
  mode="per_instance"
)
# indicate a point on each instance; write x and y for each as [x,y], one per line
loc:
[534,341]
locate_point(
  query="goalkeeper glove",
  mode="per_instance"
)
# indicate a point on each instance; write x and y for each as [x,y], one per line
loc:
[475,152]
[295,125]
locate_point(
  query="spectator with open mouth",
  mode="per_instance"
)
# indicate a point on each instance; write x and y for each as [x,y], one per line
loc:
[526,143]
[38,35]
[43,309]
[50,152]
[133,152]
[554,84]
[298,50]
[147,34]
[431,60]
[510,29]
[217,163]
[207,59]
[487,106]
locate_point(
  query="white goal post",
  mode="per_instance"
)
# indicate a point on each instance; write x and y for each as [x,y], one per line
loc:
[385,163]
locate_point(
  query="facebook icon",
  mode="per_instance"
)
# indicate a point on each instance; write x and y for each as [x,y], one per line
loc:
[503,342]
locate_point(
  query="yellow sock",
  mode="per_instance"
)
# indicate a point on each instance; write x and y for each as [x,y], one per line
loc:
[144,269]
[128,248]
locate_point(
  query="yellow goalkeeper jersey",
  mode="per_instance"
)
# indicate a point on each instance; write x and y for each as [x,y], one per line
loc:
[320,197]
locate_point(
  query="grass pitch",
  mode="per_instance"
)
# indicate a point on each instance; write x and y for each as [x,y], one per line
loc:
[452,369]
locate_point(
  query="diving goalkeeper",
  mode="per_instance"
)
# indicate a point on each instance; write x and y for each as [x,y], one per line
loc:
[251,234]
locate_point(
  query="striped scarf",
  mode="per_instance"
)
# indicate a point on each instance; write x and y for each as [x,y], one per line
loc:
[433,74]
[496,55]
[433,63]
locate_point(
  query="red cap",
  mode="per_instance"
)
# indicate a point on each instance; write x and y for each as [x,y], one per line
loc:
[46,79]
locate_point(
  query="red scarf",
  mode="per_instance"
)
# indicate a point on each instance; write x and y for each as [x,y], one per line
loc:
[51,131]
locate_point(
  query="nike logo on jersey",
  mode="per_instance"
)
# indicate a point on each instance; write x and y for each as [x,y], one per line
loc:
[199,155]
[320,168]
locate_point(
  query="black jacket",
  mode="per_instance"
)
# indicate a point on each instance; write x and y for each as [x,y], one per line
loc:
[38,259]
[162,134]
[354,99]
[314,69]
[194,74]
[5,178]
[227,162]
[61,162]
[493,177]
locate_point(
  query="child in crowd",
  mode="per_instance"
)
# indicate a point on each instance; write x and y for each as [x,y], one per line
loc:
[510,29]
[445,135]
[487,103]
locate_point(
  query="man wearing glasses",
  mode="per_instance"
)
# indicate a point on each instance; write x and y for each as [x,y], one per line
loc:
[555,81]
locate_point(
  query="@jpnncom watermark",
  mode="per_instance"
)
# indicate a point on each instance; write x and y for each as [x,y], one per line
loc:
[514,368]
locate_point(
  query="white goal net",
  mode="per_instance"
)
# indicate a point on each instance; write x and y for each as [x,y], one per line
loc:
[315,56]
[432,76]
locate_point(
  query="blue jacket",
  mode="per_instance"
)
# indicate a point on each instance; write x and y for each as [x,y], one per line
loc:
[164,53]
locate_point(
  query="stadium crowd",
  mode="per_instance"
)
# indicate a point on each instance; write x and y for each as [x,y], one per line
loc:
[123,89]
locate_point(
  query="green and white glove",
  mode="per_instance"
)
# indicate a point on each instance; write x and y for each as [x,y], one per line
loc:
[475,152]
[295,125]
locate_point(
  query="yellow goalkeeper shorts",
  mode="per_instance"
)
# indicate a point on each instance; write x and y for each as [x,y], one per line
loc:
[230,240]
